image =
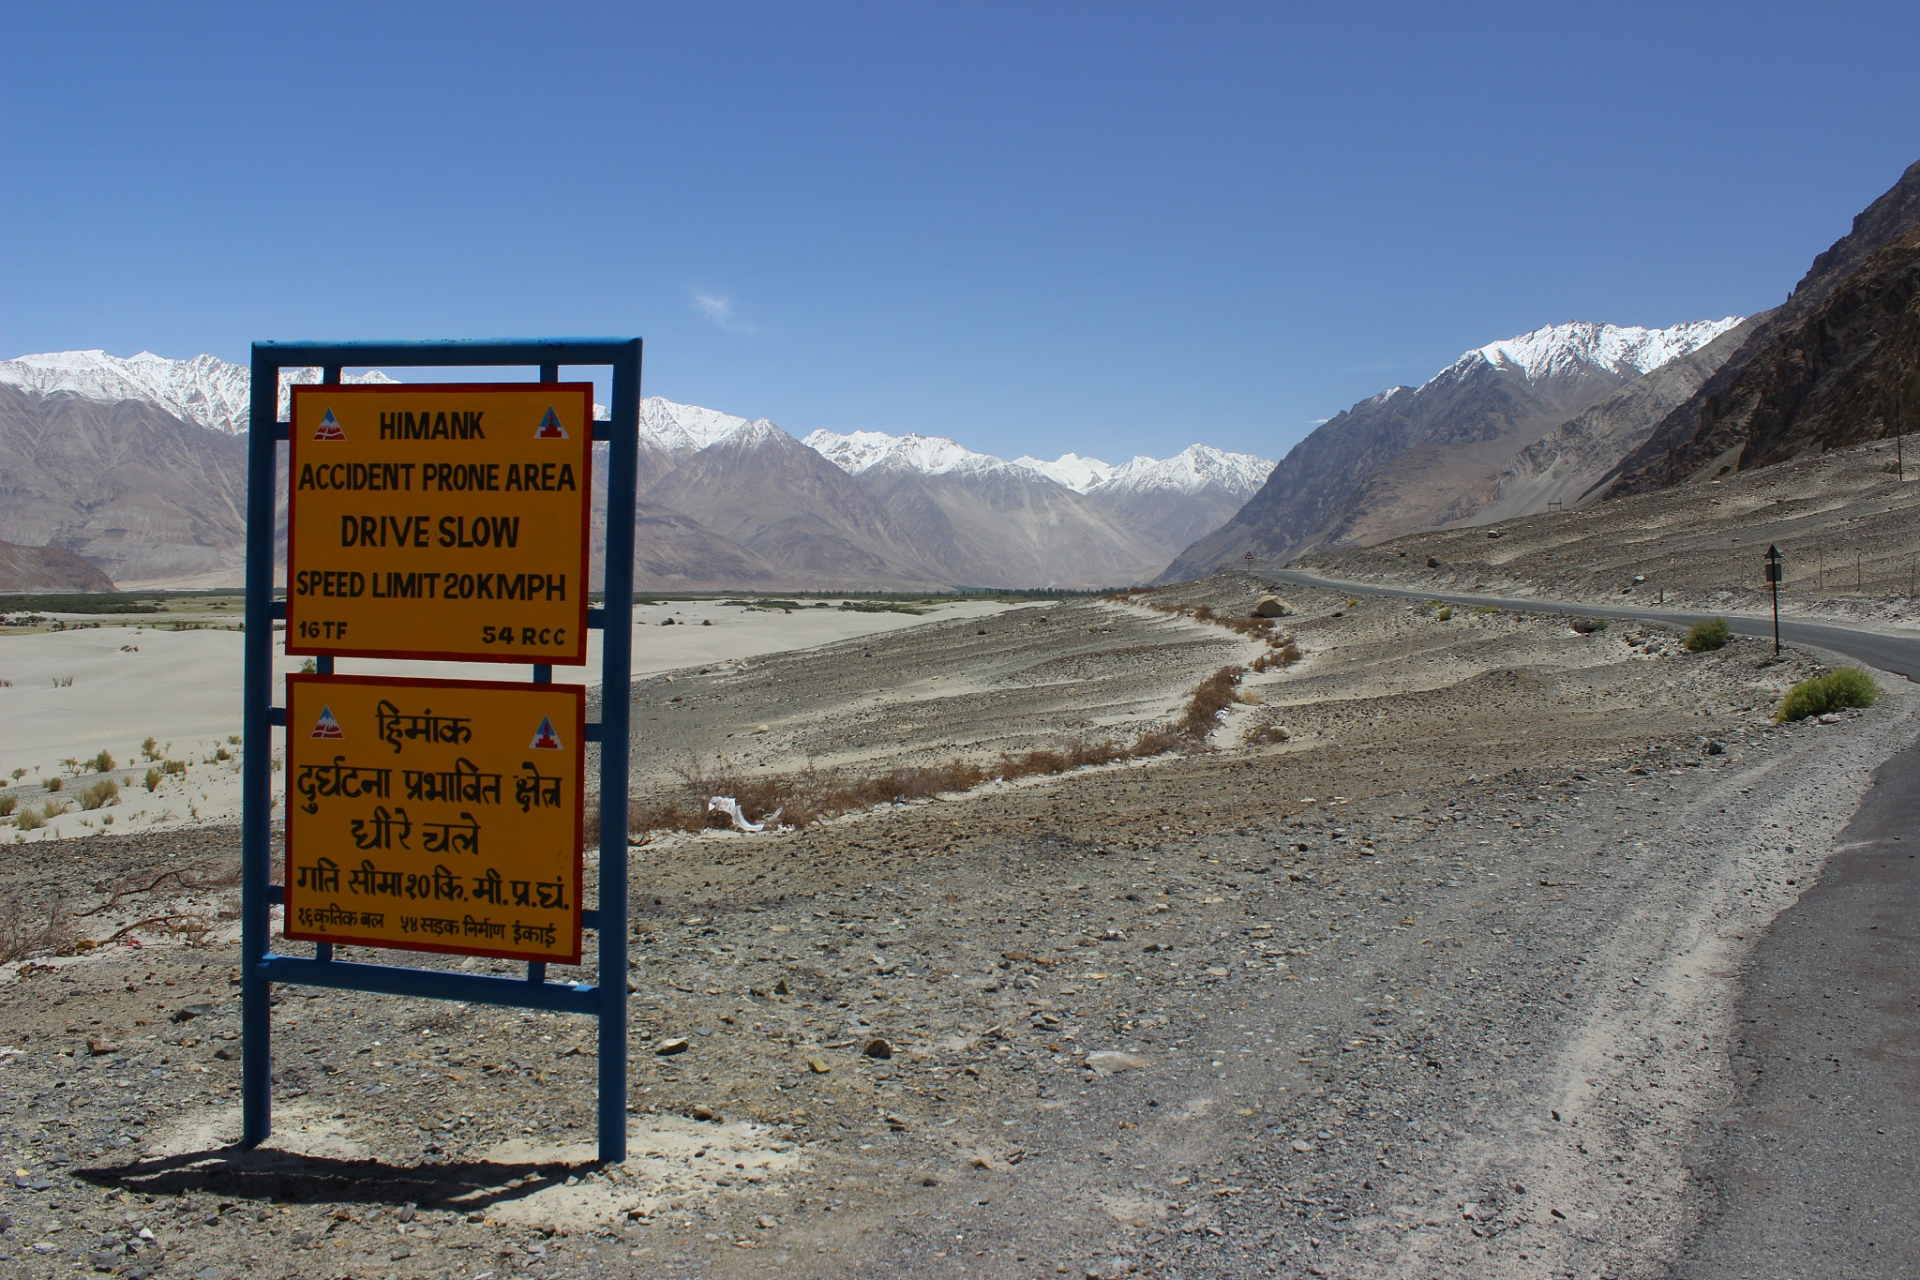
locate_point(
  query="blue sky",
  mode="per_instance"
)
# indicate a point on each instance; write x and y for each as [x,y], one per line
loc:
[1035,227]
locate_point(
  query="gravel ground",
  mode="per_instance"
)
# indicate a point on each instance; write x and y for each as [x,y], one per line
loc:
[1440,985]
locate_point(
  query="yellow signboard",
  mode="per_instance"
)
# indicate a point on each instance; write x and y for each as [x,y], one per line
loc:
[440,521]
[435,815]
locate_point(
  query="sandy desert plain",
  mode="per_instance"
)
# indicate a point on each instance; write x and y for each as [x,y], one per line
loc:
[1424,961]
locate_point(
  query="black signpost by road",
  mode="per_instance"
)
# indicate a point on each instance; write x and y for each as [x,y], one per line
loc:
[1773,581]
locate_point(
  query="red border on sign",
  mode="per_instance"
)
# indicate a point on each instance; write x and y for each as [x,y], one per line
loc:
[585,389]
[579,692]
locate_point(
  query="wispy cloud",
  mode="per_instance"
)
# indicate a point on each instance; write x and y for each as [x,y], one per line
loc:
[717,307]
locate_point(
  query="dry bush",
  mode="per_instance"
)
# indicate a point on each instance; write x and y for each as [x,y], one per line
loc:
[100,794]
[1212,696]
[799,799]
[1156,742]
[25,933]
[1280,653]
[193,878]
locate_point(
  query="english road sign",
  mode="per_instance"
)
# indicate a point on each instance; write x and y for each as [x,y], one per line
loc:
[440,521]
[435,815]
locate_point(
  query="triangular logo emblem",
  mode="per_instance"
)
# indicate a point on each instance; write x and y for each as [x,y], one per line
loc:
[546,739]
[329,428]
[326,726]
[550,428]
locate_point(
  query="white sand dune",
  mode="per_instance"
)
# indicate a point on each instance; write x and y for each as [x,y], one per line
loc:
[130,682]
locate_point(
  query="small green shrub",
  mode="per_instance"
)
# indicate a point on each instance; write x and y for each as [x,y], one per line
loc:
[1482,611]
[7,804]
[1847,687]
[1446,614]
[153,778]
[54,808]
[1708,633]
[221,753]
[150,750]
[103,762]
[174,766]
[55,782]
[100,794]
[29,821]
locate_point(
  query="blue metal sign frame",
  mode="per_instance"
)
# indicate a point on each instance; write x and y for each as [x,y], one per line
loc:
[260,967]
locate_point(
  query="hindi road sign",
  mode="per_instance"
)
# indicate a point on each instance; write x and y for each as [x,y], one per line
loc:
[440,521]
[435,815]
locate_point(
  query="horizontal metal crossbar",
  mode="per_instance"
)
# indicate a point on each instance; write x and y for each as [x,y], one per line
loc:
[466,351]
[431,984]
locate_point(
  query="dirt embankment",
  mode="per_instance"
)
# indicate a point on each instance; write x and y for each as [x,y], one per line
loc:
[1848,528]
[1436,984]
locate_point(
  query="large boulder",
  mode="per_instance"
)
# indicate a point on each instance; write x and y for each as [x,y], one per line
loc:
[1272,607]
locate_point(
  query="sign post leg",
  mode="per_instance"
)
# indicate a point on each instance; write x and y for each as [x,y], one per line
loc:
[616,649]
[256,920]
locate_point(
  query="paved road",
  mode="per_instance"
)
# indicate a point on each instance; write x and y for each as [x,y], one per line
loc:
[1898,654]
[1813,1170]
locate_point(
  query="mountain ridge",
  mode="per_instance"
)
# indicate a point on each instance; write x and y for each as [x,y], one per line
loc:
[1402,459]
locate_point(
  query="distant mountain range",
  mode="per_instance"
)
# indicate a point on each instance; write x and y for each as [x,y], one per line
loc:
[1578,413]
[138,465]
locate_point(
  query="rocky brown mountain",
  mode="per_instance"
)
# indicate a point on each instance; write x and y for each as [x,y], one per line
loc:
[1711,430]
[145,496]
[1847,373]
[48,569]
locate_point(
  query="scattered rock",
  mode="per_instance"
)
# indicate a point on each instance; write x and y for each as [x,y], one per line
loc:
[1301,1145]
[99,1048]
[1432,563]
[878,1048]
[1112,1062]
[819,1066]
[1716,748]
[705,1113]
[189,1012]
[668,1047]
[1587,626]
[766,1223]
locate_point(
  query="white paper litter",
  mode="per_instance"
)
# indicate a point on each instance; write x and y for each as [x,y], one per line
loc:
[731,807]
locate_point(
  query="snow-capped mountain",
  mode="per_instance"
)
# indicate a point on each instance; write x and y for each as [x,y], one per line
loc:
[1420,458]
[1194,468]
[861,451]
[1571,350]
[204,390]
[685,429]
[1151,507]
[1070,469]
